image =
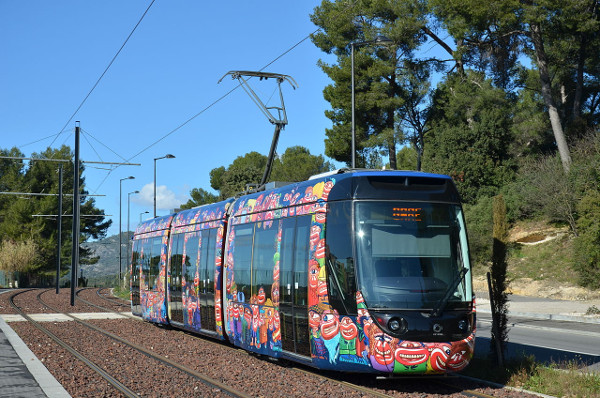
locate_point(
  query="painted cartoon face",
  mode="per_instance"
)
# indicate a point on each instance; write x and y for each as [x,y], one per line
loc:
[261,296]
[236,311]
[320,252]
[218,308]
[439,356]
[313,274]
[327,189]
[276,330]
[315,235]
[308,194]
[314,319]
[460,354]
[322,288]
[320,216]
[330,326]
[410,353]
[348,329]
[255,316]
[248,314]
[382,350]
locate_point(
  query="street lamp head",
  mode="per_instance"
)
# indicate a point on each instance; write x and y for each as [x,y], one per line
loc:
[383,40]
[167,156]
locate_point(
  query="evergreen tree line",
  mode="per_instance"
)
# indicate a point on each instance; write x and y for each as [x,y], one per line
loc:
[28,226]
[510,105]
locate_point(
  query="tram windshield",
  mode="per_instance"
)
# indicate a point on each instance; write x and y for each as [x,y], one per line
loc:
[412,255]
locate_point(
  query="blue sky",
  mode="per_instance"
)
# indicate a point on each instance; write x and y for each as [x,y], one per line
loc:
[53,52]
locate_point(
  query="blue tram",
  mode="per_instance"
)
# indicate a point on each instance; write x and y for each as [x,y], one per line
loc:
[358,271]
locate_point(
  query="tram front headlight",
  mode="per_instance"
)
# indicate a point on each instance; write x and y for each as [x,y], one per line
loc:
[398,325]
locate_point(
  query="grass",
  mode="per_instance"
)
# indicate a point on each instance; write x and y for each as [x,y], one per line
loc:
[121,292]
[559,380]
[549,260]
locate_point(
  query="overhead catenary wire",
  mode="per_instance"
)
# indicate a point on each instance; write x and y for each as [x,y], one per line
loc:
[204,109]
[103,73]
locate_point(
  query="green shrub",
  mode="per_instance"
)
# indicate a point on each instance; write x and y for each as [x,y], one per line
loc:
[479,226]
[586,258]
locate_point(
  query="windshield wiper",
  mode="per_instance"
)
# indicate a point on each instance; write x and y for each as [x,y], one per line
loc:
[437,310]
[337,283]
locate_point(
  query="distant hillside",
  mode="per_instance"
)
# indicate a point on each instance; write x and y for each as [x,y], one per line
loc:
[108,251]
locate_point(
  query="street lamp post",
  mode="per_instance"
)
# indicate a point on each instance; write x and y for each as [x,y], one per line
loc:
[121,223]
[128,229]
[167,156]
[380,40]
[145,212]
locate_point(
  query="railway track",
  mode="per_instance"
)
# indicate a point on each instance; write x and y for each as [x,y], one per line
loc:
[212,384]
[442,381]
[209,382]
[194,352]
[120,387]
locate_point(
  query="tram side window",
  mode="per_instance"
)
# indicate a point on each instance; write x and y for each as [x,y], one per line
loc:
[145,261]
[286,259]
[135,263]
[176,260]
[154,261]
[242,260]
[301,253]
[341,280]
[265,247]
[192,255]
[209,239]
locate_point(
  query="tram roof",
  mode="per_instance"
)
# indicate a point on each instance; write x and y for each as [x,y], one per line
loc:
[345,184]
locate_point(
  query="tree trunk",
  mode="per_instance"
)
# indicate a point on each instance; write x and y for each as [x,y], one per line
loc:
[555,121]
[579,81]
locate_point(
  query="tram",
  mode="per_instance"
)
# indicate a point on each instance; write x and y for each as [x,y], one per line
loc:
[354,270]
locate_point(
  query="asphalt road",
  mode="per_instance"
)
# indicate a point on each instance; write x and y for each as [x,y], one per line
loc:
[547,341]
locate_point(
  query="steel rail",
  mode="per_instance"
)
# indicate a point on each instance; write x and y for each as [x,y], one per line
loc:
[110,379]
[468,393]
[356,387]
[210,382]
[114,300]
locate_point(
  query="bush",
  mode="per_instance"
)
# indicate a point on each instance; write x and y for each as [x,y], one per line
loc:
[586,259]
[479,226]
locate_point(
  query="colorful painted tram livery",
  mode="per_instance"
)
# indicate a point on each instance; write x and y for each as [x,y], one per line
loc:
[358,271]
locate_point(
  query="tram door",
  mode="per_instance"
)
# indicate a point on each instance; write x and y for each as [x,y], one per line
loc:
[206,274]
[293,289]
[176,260]
[135,277]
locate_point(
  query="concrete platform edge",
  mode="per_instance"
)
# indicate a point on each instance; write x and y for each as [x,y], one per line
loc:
[49,385]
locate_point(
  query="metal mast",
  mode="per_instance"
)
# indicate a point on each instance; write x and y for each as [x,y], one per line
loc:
[280,120]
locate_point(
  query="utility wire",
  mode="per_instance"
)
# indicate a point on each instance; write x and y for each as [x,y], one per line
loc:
[105,146]
[85,137]
[220,98]
[205,109]
[103,73]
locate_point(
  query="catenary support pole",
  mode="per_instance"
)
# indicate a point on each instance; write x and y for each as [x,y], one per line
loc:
[75,249]
[59,226]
